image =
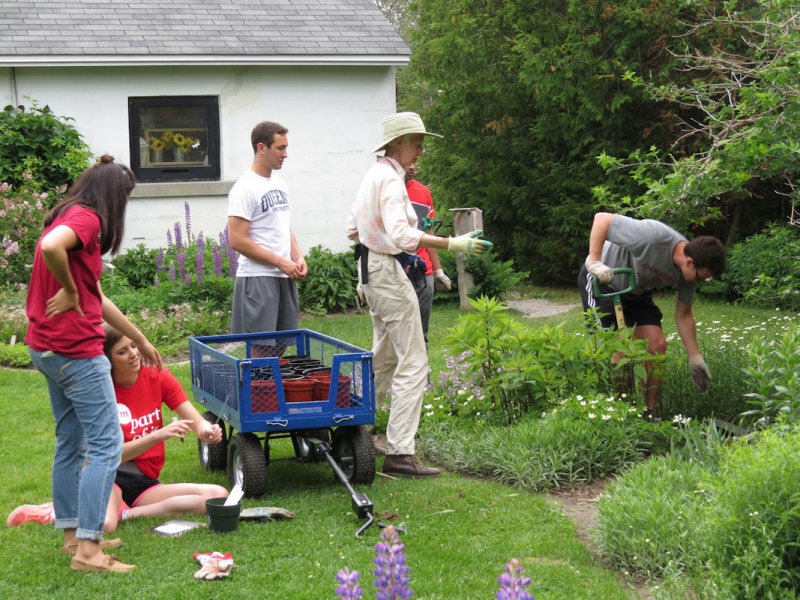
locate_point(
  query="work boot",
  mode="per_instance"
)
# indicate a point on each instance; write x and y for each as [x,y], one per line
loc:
[407,465]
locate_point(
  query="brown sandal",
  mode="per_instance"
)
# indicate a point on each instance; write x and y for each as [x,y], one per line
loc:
[110,563]
[104,544]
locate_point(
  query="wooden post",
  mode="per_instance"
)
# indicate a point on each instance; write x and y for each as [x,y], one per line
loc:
[464,221]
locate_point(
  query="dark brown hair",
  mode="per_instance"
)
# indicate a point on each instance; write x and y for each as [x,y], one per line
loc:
[112,337]
[103,188]
[265,132]
[707,252]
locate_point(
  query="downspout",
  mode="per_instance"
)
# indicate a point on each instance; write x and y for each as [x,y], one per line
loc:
[14,86]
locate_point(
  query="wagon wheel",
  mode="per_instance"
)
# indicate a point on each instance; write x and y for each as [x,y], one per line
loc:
[247,464]
[355,453]
[213,457]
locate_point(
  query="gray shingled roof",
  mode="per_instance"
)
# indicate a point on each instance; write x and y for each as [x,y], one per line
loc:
[123,29]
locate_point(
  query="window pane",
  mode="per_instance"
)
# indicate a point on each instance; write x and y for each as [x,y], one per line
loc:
[173,135]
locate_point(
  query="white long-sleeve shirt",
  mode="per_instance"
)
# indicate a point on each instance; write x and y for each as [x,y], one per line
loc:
[382,217]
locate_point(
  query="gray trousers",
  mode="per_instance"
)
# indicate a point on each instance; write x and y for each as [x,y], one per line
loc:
[425,297]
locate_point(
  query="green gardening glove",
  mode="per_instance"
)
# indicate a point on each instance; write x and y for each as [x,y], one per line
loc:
[469,243]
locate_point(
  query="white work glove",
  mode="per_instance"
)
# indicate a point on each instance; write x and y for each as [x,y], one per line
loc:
[603,272]
[469,243]
[214,565]
[698,371]
[443,283]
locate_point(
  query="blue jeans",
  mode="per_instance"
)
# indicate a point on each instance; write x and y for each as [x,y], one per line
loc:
[87,431]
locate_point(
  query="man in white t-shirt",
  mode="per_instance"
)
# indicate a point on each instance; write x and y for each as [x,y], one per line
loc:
[264,295]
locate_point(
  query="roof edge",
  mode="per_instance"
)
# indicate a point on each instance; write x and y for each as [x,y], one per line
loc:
[396,60]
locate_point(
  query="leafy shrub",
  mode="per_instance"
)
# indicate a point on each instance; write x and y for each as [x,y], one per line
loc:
[35,142]
[775,368]
[137,266]
[493,277]
[765,268]
[749,525]
[520,369]
[331,282]
[14,356]
[22,213]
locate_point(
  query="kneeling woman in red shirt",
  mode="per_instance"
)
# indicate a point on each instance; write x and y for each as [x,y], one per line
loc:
[140,394]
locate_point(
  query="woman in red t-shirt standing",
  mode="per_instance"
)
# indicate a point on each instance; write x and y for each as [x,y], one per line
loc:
[66,308]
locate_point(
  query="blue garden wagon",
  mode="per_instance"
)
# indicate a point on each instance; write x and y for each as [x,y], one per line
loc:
[247,381]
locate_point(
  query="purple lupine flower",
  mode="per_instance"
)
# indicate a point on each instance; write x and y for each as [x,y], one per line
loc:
[513,585]
[188,279]
[217,256]
[178,241]
[171,271]
[160,261]
[233,261]
[391,574]
[348,588]
[156,280]
[199,260]
[188,222]
[181,258]
[169,240]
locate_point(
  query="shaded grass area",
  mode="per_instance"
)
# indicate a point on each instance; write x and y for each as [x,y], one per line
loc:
[460,531]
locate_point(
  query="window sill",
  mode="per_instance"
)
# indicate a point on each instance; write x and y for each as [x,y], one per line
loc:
[181,188]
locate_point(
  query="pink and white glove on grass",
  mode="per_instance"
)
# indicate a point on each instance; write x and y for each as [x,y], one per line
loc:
[214,565]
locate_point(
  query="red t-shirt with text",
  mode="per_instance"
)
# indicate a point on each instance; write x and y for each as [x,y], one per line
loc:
[139,408]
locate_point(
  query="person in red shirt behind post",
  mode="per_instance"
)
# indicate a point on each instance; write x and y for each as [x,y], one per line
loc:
[420,194]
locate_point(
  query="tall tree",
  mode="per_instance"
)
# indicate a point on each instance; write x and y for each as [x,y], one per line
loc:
[743,93]
[528,94]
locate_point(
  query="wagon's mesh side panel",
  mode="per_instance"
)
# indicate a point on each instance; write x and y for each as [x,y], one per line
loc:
[354,370]
[219,379]
[350,371]
[263,394]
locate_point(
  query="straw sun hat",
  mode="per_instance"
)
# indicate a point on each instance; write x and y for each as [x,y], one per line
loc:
[400,124]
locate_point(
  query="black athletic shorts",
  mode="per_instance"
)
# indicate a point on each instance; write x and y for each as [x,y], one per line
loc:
[133,485]
[639,309]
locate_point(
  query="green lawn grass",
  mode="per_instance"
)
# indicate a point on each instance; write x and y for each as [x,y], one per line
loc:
[460,531]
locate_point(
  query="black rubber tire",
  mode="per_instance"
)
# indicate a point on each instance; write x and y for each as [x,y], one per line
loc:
[355,453]
[213,457]
[247,464]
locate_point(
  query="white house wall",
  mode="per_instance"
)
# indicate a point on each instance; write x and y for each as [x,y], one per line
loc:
[333,114]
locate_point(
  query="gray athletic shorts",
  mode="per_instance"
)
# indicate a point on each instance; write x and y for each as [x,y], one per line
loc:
[264,304]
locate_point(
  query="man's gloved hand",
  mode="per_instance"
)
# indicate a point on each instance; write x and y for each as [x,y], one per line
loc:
[443,283]
[214,565]
[698,370]
[603,272]
[426,224]
[469,243]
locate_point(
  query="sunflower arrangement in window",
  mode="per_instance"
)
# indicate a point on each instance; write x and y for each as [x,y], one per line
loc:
[185,146]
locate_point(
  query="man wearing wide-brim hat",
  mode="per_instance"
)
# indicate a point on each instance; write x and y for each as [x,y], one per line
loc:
[383,222]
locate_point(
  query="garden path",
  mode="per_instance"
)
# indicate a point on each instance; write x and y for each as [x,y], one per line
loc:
[538,307]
